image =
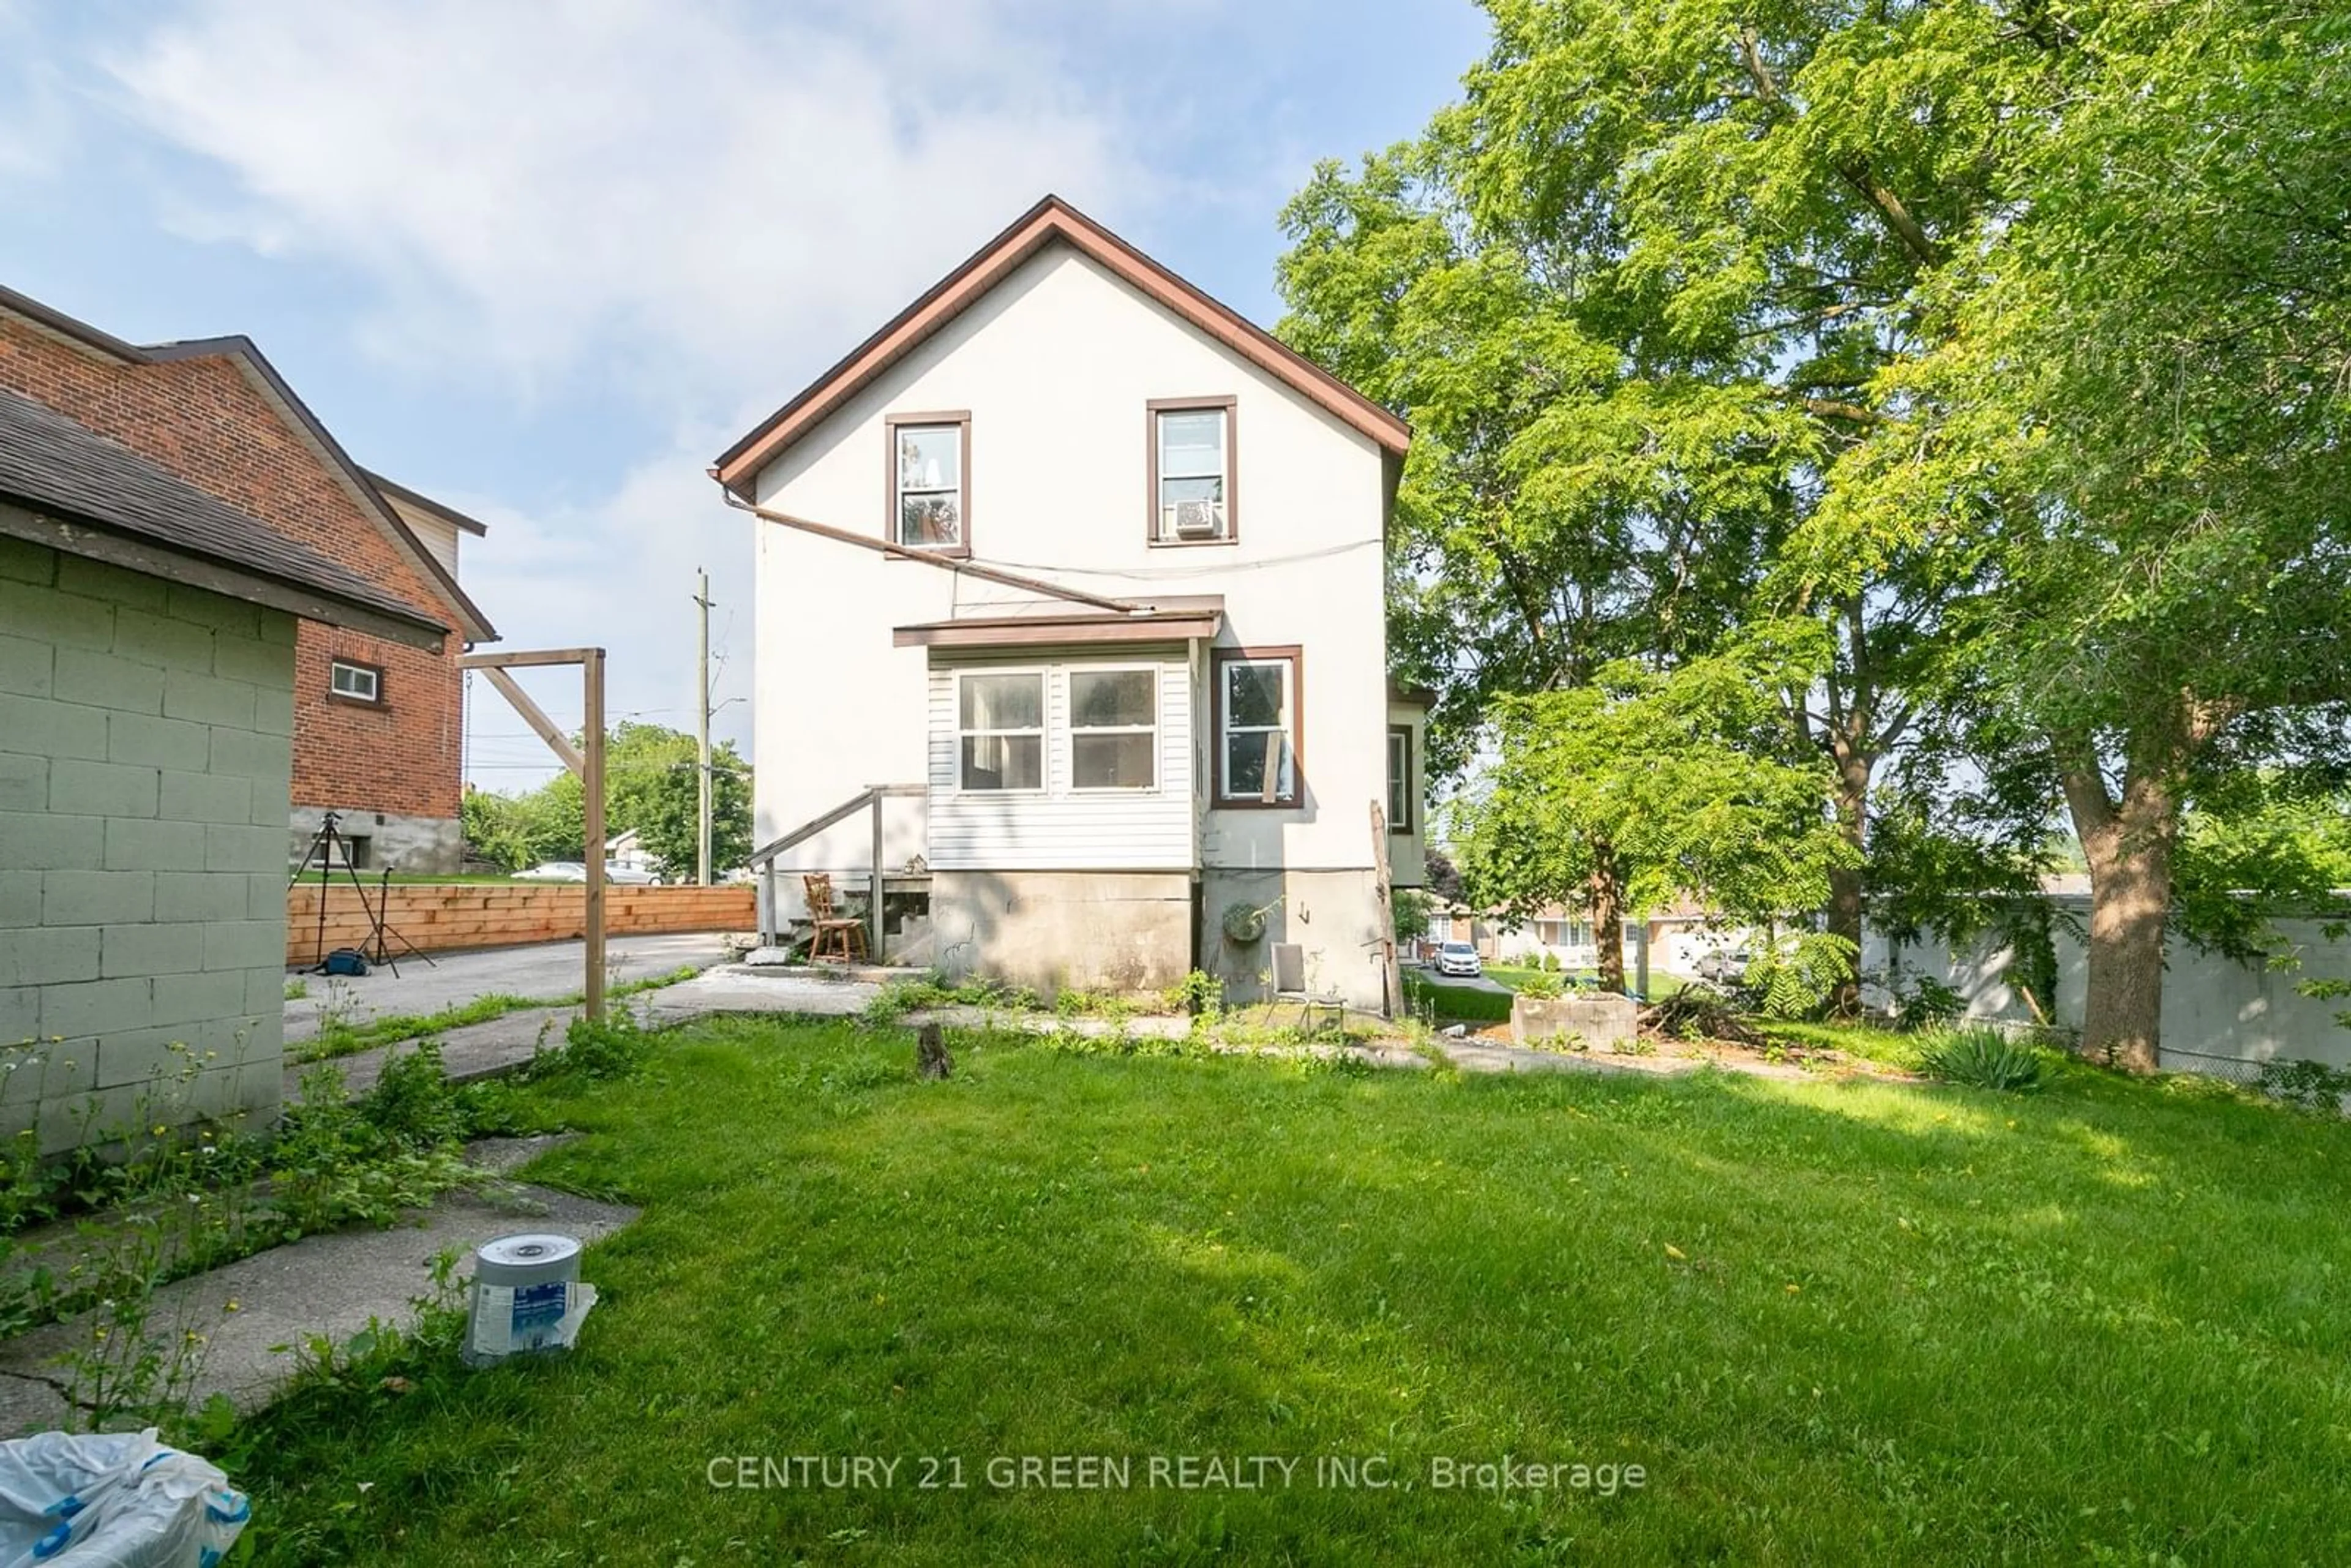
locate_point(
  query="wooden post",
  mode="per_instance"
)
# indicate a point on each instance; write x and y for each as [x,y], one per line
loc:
[589,765]
[592,724]
[874,916]
[1391,977]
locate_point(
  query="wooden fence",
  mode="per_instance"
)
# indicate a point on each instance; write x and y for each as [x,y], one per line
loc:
[440,917]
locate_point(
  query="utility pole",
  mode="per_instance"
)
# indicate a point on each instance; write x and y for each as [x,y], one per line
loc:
[702,733]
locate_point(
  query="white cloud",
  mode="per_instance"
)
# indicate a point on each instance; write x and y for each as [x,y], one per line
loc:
[679,195]
[681,206]
[617,574]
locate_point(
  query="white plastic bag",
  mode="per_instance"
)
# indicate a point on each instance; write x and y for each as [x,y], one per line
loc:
[117,1500]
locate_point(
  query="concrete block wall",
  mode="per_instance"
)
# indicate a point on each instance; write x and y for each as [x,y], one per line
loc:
[145,749]
[210,421]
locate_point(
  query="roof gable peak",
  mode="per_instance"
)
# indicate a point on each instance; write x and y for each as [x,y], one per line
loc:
[1051,219]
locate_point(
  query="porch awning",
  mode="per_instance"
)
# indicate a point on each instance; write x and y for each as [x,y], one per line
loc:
[1168,623]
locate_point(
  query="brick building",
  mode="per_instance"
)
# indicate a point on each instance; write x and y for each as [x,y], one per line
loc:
[378,723]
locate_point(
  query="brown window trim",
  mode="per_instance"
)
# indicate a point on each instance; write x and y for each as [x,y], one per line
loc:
[382,698]
[1152,409]
[1403,824]
[1218,659]
[890,515]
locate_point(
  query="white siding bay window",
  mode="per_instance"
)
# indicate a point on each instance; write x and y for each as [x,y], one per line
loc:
[1072,763]
[1002,728]
[1113,729]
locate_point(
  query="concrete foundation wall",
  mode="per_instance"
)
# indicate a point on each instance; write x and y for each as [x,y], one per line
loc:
[145,753]
[1333,914]
[382,839]
[1119,931]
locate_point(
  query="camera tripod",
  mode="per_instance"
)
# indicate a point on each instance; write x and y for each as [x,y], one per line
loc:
[324,843]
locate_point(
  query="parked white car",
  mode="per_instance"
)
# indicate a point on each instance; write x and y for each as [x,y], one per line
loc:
[1723,968]
[1459,958]
[576,871]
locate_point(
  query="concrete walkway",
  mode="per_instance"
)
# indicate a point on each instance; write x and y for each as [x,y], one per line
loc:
[332,1285]
[549,970]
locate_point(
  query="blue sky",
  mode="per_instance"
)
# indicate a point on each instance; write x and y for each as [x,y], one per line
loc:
[544,260]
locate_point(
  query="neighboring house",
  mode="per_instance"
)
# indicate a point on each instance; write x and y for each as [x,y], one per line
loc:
[1678,937]
[379,725]
[1096,570]
[149,649]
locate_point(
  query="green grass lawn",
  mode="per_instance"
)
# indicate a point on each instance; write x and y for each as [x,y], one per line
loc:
[1832,1323]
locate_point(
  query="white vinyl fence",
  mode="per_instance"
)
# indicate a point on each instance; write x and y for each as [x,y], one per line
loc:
[2218,1017]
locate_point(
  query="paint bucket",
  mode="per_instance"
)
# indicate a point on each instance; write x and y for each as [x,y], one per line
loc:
[527,1298]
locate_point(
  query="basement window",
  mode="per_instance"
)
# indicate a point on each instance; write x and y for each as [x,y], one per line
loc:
[354,682]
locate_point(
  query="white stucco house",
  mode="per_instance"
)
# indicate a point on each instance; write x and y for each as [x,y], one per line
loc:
[1085,572]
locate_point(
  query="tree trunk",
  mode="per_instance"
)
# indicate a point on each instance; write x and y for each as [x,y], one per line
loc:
[1844,912]
[2128,843]
[1606,901]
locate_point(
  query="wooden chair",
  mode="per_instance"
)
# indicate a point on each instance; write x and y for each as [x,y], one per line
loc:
[836,938]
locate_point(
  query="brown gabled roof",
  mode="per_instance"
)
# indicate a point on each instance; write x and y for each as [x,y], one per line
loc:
[421,502]
[352,477]
[363,486]
[1049,221]
[77,491]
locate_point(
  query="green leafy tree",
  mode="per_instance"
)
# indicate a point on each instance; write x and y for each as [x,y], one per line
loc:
[2003,340]
[2139,403]
[1638,790]
[1413,905]
[649,787]
[1634,292]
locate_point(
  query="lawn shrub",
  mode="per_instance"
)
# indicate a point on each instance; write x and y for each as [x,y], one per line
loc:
[614,1046]
[412,1104]
[898,998]
[1928,1003]
[2306,1085]
[1543,985]
[1199,993]
[1980,1058]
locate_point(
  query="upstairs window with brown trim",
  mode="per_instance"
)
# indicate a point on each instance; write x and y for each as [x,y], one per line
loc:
[930,480]
[1259,700]
[354,682]
[1192,493]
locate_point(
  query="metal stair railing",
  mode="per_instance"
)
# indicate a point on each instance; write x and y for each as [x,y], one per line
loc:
[763,860]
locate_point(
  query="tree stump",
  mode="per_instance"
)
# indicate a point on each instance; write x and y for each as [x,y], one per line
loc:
[931,1059]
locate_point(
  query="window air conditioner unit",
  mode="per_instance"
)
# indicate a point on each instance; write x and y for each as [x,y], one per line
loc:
[1198,519]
